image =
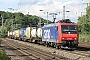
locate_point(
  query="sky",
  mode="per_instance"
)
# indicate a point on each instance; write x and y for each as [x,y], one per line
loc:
[33,7]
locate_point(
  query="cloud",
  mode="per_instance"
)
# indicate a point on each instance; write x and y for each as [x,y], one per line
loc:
[26,2]
[52,6]
[8,1]
[48,2]
[69,2]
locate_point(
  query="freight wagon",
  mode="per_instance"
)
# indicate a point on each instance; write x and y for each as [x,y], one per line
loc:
[16,34]
[11,34]
[35,34]
[31,34]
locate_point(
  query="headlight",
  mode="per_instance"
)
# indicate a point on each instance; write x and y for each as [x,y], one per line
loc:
[75,38]
[63,38]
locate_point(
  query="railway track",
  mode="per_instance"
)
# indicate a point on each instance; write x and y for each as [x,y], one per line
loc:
[29,52]
[20,52]
[81,52]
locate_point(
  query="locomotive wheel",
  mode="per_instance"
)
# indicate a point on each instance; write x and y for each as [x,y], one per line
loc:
[44,43]
[57,46]
[76,46]
[52,44]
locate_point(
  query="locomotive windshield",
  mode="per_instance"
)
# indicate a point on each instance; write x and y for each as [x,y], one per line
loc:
[69,29]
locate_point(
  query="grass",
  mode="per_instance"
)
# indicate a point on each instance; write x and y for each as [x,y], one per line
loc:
[3,56]
[84,37]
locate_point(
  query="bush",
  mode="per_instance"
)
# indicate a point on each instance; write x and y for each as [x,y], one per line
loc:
[3,56]
[84,37]
[3,35]
[0,41]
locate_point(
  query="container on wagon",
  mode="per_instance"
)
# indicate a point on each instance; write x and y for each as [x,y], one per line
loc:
[8,33]
[39,32]
[16,34]
[28,34]
[22,33]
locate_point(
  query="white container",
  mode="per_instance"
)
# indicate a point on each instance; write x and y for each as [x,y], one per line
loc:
[33,33]
[39,32]
[16,33]
[28,33]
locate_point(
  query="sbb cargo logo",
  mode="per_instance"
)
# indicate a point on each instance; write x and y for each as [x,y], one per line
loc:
[47,34]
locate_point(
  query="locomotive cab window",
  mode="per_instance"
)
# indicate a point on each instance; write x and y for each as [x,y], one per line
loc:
[69,29]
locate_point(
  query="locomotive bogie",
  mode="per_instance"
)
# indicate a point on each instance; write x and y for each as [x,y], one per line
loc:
[69,43]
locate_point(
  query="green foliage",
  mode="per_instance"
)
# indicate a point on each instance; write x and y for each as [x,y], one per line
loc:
[84,37]
[0,41]
[84,26]
[17,20]
[3,56]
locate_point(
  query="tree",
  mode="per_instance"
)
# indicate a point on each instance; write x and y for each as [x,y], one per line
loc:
[84,26]
[18,20]
[84,22]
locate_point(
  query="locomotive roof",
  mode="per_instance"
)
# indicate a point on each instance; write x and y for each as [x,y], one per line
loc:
[67,23]
[59,23]
[49,25]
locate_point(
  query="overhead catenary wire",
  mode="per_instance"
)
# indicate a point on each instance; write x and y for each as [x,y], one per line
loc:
[79,5]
